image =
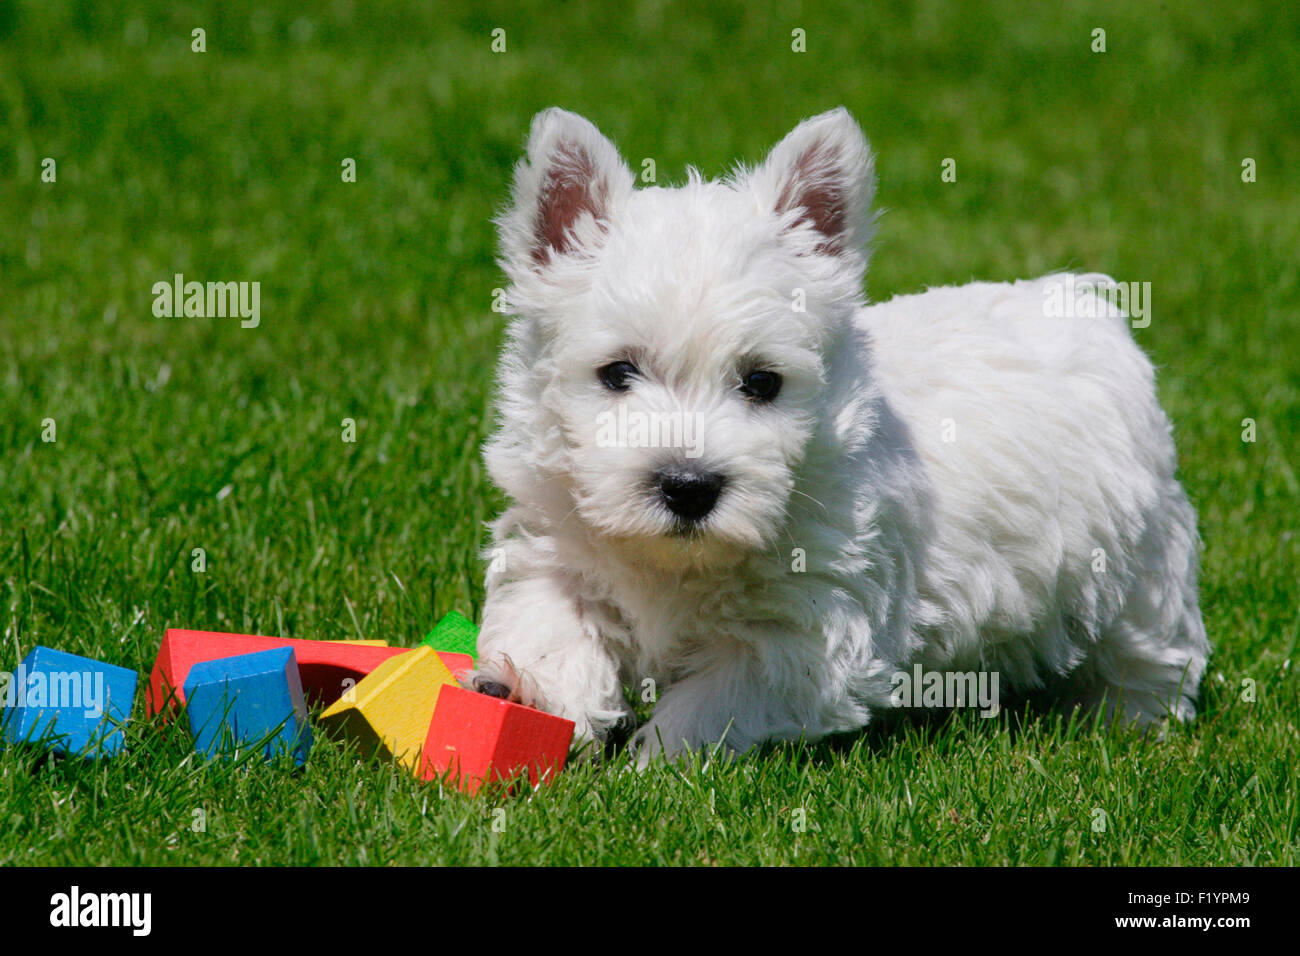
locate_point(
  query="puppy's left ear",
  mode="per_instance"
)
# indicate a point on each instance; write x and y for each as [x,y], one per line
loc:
[822,174]
[565,191]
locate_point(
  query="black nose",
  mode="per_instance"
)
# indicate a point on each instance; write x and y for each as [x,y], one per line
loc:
[690,494]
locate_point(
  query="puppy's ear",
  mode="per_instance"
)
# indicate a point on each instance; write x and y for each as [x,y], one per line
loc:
[822,174]
[567,186]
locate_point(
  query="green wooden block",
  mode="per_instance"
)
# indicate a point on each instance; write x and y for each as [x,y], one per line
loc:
[456,634]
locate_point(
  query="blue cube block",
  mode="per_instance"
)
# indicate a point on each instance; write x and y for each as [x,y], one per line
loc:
[68,703]
[246,700]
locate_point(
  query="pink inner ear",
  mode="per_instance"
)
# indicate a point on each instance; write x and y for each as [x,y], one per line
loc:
[569,190]
[814,186]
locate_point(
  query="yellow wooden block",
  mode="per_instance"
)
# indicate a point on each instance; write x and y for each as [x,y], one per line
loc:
[389,711]
[362,643]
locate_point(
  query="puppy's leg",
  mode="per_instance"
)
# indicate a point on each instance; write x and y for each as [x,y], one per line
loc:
[1147,665]
[729,701]
[536,647]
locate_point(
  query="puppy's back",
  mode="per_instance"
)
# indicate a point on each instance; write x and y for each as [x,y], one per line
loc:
[1044,445]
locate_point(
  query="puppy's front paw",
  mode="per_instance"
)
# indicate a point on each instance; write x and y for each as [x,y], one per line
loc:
[486,685]
[498,677]
[653,743]
[675,731]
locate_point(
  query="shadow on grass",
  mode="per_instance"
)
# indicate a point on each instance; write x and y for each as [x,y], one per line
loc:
[1038,718]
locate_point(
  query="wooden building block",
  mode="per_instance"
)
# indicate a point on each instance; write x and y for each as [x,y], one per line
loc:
[249,700]
[477,738]
[454,634]
[68,703]
[324,666]
[388,713]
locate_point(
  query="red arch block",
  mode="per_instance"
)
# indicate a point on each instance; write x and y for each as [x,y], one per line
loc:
[323,665]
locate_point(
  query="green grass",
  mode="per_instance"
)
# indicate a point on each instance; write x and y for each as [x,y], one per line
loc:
[176,434]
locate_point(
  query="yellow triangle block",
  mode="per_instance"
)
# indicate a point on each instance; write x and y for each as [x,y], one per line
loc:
[390,710]
[361,643]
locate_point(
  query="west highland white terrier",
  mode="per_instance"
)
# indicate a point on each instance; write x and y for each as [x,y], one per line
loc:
[737,485]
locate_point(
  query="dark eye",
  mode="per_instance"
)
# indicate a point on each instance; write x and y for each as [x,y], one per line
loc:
[762,386]
[617,376]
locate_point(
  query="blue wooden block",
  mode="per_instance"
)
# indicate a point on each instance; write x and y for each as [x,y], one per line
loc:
[246,700]
[68,703]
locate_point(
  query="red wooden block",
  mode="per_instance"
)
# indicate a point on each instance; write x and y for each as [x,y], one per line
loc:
[323,665]
[480,737]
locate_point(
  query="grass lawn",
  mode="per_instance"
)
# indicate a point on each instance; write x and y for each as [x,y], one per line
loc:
[182,433]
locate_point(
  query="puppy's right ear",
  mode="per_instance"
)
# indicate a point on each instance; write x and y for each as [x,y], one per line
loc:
[823,175]
[565,190]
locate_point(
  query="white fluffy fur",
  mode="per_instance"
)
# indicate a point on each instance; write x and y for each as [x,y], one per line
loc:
[975,553]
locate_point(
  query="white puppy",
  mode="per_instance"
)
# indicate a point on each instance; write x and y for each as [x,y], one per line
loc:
[735,483]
